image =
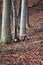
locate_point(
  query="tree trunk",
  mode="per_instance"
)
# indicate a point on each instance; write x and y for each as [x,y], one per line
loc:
[14,20]
[23,18]
[6,31]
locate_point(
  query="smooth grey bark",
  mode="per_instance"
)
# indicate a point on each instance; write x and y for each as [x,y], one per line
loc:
[23,18]
[14,20]
[6,31]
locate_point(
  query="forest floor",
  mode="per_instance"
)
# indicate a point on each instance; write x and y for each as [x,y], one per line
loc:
[28,52]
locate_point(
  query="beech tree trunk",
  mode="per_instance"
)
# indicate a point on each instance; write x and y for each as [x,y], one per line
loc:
[23,18]
[14,20]
[6,31]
